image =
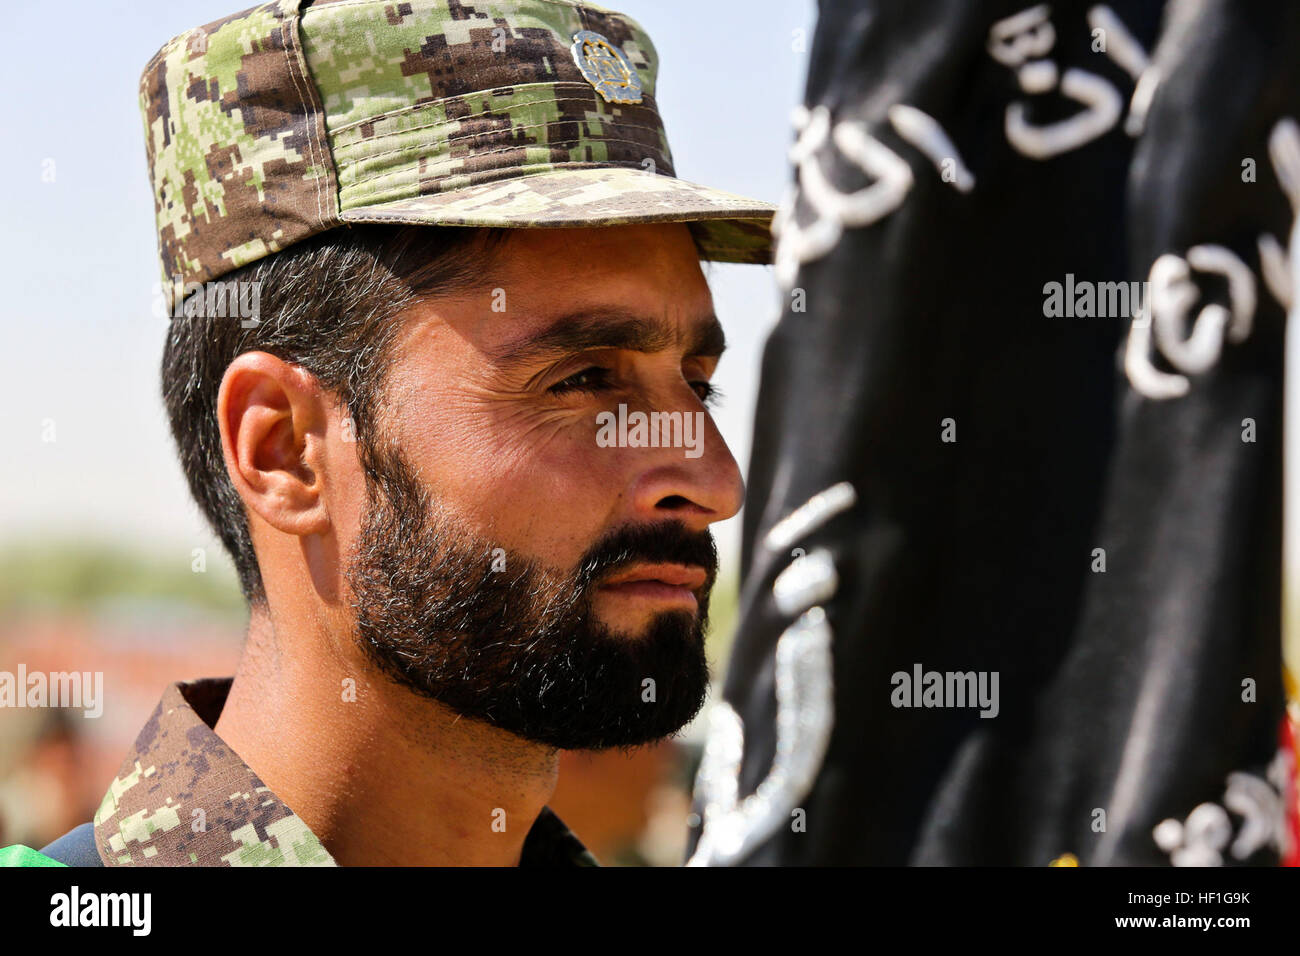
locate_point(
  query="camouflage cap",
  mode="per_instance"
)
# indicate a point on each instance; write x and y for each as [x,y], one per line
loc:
[293,117]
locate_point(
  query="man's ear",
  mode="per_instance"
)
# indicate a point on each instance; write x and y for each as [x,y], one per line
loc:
[273,417]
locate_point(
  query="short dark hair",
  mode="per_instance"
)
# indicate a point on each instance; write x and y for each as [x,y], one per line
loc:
[327,304]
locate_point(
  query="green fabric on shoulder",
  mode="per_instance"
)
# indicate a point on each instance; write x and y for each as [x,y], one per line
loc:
[19,855]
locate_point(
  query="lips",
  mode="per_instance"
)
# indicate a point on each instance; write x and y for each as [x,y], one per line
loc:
[690,577]
[660,583]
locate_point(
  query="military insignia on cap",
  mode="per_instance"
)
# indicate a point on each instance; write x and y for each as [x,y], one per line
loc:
[606,67]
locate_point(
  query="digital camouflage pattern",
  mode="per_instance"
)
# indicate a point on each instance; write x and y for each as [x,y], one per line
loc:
[235,140]
[179,766]
[275,124]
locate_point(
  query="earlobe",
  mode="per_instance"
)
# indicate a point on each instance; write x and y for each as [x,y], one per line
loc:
[272,416]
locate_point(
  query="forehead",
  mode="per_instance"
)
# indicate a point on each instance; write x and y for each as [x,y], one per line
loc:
[540,277]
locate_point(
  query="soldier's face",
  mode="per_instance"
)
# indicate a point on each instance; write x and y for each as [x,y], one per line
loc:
[531,553]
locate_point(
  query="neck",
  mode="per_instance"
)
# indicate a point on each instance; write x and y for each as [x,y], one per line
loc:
[381,775]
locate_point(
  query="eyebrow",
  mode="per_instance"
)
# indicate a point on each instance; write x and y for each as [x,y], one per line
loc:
[593,329]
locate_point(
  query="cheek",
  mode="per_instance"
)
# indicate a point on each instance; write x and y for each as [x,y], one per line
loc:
[347,492]
[533,480]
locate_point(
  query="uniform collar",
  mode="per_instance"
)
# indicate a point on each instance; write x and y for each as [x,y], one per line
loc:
[183,798]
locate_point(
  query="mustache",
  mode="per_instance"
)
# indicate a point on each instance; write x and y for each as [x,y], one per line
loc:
[662,542]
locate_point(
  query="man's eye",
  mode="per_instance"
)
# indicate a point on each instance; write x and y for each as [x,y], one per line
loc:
[594,379]
[710,394]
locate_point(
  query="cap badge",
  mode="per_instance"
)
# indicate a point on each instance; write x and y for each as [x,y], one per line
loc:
[606,67]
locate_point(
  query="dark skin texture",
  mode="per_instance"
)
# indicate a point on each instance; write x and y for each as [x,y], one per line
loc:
[505,434]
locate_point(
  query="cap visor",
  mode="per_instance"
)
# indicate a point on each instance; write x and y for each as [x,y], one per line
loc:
[730,228]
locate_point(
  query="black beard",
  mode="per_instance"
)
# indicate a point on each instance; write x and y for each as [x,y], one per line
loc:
[520,648]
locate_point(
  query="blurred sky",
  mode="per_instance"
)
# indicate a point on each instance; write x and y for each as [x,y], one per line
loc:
[78,255]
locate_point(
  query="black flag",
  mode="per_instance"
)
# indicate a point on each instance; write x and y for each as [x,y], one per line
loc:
[1013,541]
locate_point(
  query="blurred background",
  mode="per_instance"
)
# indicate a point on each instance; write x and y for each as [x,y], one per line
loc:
[100,545]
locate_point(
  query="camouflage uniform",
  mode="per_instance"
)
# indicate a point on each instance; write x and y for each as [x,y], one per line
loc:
[151,816]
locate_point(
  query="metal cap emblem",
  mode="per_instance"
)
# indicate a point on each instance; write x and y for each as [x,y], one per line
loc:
[606,67]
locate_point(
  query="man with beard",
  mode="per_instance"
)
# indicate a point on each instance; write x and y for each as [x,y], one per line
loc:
[448,238]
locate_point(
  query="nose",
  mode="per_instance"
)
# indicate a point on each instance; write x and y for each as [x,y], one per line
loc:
[695,481]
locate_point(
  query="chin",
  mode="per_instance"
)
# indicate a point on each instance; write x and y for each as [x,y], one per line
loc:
[636,625]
